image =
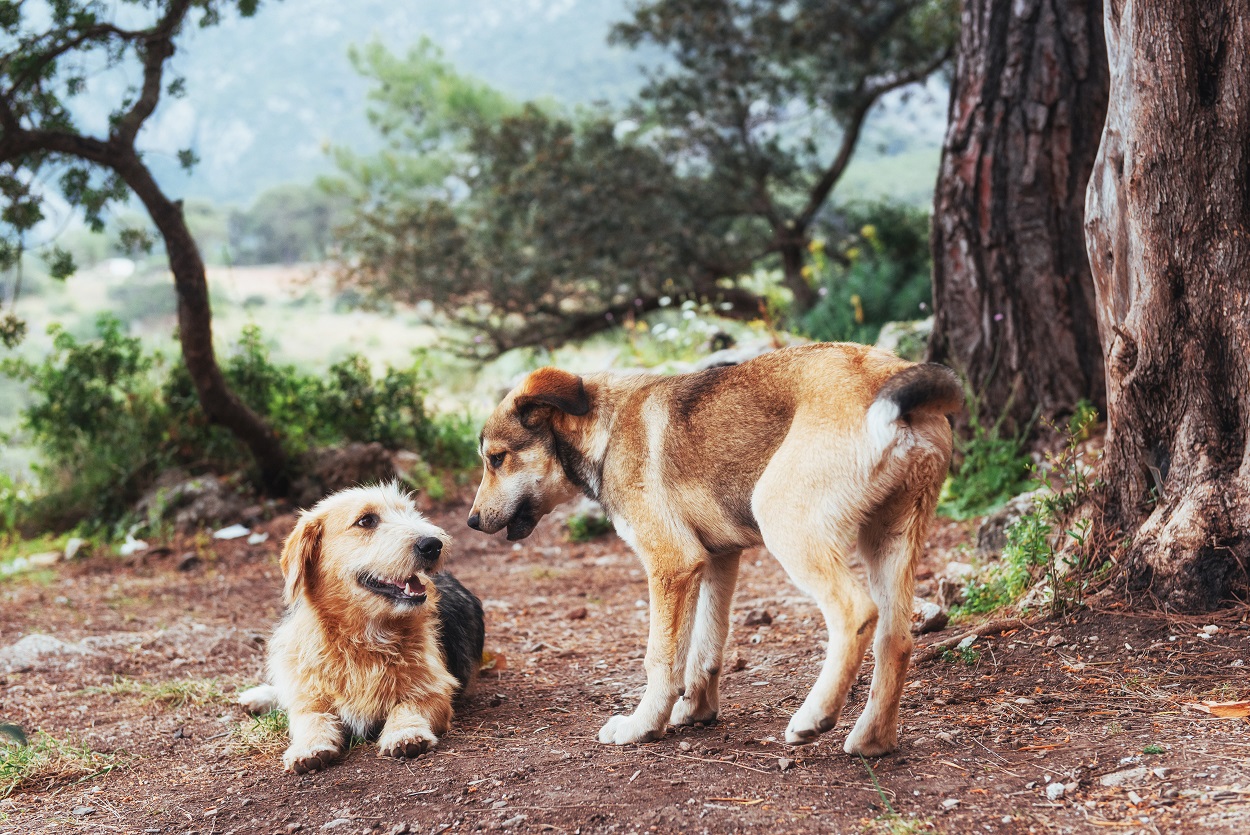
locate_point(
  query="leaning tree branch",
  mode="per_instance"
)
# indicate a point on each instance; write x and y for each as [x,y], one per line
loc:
[158,48]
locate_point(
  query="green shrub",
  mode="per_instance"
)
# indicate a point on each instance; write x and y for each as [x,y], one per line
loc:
[874,269]
[583,527]
[993,468]
[107,418]
[1034,541]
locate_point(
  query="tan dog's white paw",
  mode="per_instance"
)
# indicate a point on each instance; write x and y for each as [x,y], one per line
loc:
[624,730]
[406,742]
[260,699]
[871,742]
[688,712]
[302,761]
[807,725]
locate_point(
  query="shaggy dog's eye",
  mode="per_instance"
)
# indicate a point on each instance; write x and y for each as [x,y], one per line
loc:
[496,460]
[369,521]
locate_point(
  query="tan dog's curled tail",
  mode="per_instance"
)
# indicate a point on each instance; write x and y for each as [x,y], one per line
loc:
[928,388]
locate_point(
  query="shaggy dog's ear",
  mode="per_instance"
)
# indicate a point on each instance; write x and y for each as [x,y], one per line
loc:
[553,388]
[300,555]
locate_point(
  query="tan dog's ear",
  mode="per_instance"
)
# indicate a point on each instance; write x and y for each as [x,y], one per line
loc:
[555,388]
[300,555]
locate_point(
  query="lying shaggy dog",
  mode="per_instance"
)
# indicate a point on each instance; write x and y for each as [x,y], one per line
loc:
[374,637]
[822,453]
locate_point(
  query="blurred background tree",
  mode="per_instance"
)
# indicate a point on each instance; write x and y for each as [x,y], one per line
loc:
[534,226]
[56,58]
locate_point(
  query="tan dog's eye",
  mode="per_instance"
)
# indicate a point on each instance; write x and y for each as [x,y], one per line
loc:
[496,460]
[369,521]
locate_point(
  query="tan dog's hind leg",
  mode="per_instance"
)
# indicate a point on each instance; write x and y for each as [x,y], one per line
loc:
[316,740]
[674,583]
[808,518]
[889,557]
[412,728]
[701,700]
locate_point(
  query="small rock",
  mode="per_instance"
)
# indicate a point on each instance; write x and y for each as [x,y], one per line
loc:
[1030,784]
[683,745]
[537,646]
[257,538]
[336,823]
[785,763]
[944,736]
[576,614]
[1161,773]
[74,547]
[1134,798]
[181,733]
[1119,778]
[928,617]
[1054,791]
[966,642]
[1210,629]
[44,559]
[950,803]
[131,546]
[920,741]
[758,617]
[511,822]
[232,532]
[1024,700]
[1055,640]
[188,561]
[399,829]
[738,664]
[82,811]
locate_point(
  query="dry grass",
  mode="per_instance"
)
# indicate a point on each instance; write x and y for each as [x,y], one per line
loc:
[45,760]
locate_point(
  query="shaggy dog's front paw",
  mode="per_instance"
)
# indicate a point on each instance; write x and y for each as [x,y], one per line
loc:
[623,730]
[410,742]
[302,761]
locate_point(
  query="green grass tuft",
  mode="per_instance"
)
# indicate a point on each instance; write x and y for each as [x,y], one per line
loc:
[45,760]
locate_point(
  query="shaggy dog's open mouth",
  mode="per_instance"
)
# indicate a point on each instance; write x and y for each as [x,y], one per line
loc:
[522,523]
[411,590]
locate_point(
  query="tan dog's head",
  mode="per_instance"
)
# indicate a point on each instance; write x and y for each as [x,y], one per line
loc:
[367,549]
[522,479]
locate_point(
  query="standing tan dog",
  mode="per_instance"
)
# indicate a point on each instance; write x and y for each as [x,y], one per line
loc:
[821,453]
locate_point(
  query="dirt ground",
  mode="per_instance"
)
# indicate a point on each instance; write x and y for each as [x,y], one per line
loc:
[1096,702]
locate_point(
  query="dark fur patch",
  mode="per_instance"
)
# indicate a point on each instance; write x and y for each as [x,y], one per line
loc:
[462,632]
[578,469]
[921,385]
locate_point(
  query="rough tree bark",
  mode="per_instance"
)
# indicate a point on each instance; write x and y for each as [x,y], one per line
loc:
[1168,230]
[1013,297]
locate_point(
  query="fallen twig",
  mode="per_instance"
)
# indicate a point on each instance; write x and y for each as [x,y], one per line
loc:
[934,650]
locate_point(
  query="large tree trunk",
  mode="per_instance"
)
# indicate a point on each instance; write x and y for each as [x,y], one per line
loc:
[1167,226]
[1012,292]
[195,331]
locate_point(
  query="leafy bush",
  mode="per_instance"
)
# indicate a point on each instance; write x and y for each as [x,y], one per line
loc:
[873,269]
[1035,541]
[108,417]
[993,468]
[583,527]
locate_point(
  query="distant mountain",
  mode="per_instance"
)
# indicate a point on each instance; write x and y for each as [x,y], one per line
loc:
[266,95]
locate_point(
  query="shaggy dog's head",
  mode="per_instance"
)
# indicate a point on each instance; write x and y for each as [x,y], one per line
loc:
[366,550]
[523,479]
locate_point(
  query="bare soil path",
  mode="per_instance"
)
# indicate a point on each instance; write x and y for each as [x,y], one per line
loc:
[143,661]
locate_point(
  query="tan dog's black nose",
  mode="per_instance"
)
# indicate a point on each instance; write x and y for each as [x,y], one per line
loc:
[475,521]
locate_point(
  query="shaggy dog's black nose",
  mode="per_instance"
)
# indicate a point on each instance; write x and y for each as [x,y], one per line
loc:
[429,547]
[475,521]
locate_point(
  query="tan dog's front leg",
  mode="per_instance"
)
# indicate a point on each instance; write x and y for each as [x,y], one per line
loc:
[674,593]
[316,740]
[413,728]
